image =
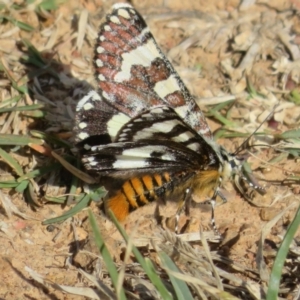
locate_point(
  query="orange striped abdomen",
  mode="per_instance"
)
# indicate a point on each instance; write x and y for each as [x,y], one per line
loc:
[137,192]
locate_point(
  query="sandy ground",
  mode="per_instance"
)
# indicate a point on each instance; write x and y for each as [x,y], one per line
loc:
[219,49]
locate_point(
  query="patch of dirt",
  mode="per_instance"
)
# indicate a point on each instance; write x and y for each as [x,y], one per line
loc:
[219,49]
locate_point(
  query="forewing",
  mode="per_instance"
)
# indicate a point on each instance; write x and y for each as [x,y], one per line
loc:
[134,75]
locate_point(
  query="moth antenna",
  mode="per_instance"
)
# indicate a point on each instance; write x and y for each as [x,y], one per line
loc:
[261,145]
[240,147]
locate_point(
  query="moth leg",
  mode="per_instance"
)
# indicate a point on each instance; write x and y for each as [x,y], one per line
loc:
[241,181]
[183,204]
[224,199]
[213,202]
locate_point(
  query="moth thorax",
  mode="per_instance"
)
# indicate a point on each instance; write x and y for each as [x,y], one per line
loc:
[235,164]
[227,170]
[228,164]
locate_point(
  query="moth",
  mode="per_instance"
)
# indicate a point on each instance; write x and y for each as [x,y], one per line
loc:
[142,132]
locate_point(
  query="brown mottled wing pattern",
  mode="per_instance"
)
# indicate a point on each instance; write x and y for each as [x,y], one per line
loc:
[134,75]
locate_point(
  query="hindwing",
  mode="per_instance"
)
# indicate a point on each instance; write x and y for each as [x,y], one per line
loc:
[97,121]
[155,139]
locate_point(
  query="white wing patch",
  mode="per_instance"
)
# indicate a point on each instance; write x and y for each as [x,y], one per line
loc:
[129,163]
[183,137]
[116,123]
[142,55]
[84,103]
[166,87]
[163,127]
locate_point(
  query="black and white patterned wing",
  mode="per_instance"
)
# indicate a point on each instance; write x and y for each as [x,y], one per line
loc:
[134,75]
[96,121]
[157,139]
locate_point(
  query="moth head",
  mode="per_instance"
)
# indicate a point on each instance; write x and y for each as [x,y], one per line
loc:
[233,166]
[229,165]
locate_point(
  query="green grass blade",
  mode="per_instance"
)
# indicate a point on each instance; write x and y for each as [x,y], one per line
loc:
[8,184]
[34,57]
[22,108]
[63,199]
[295,97]
[279,158]
[73,170]
[58,200]
[21,25]
[30,195]
[50,138]
[181,289]
[74,184]
[281,257]
[98,193]
[250,88]
[11,162]
[40,172]
[224,120]
[215,113]
[220,106]
[147,266]
[49,4]
[34,114]
[18,140]
[11,101]
[70,213]
[22,186]
[106,256]
[21,88]
[290,134]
